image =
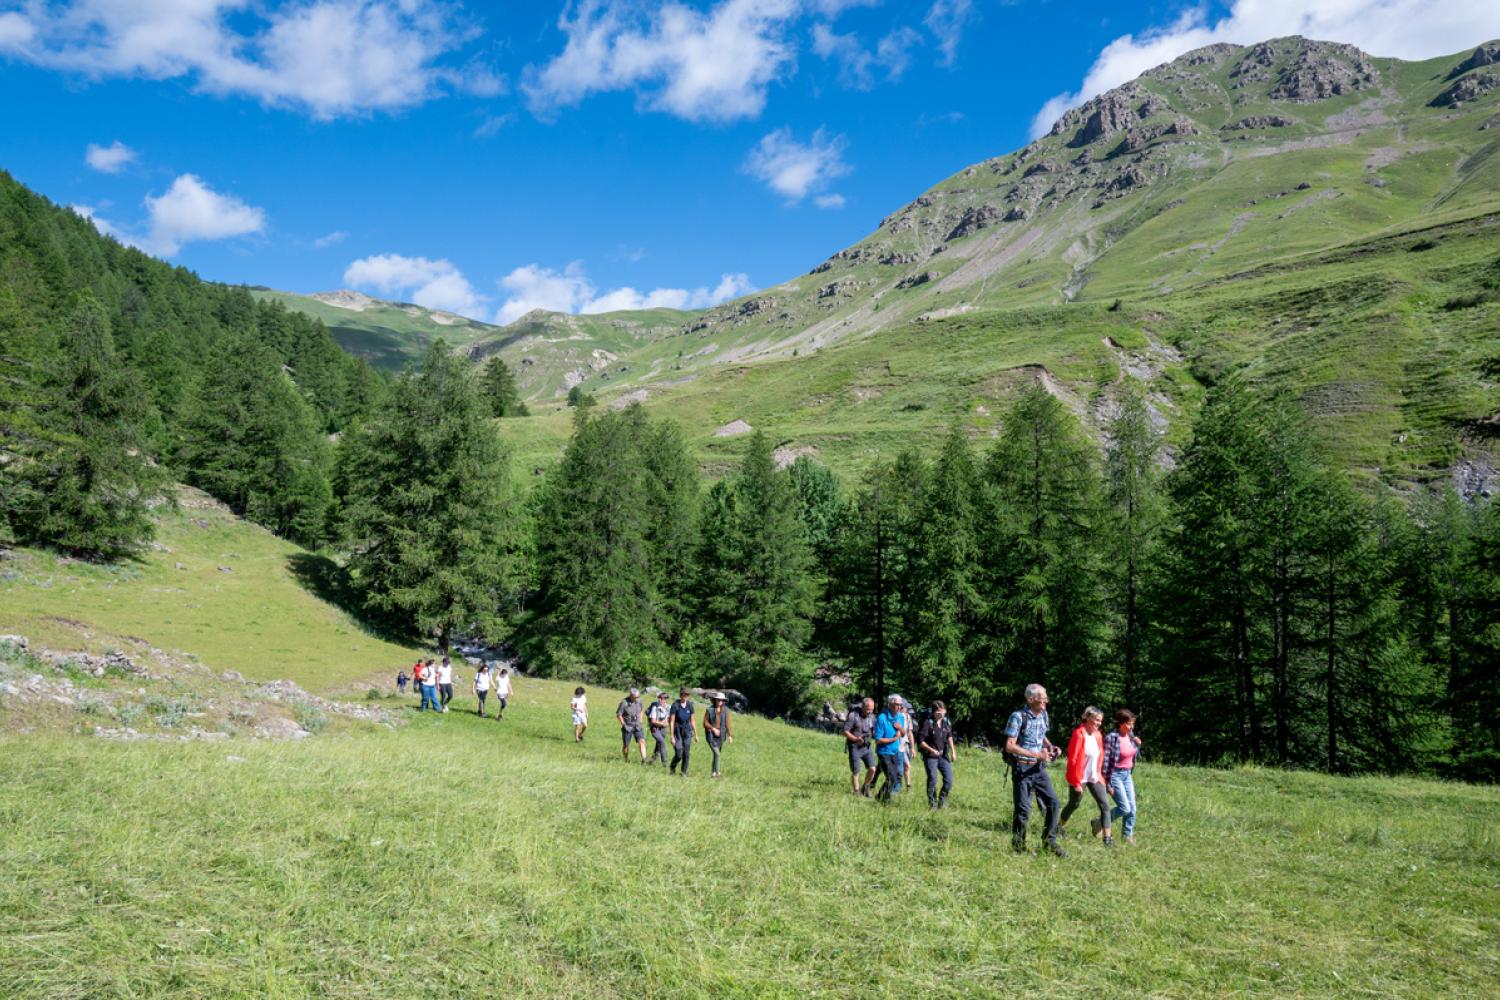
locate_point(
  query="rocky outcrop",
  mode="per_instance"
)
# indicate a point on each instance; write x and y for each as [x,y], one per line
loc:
[1258,122]
[1041,167]
[1466,89]
[973,220]
[1137,139]
[844,286]
[733,429]
[920,278]
[1487,54]
[898,259]
[1323,70]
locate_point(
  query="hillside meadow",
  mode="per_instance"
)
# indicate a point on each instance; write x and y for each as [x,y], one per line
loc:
[458,856]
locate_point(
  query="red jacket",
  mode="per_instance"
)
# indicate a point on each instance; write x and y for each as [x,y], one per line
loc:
[1075,755]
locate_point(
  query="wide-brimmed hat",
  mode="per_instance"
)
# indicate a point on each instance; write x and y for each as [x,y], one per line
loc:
[716,696]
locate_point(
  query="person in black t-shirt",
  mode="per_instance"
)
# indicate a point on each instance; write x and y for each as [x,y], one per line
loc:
[680,724]
[935,742]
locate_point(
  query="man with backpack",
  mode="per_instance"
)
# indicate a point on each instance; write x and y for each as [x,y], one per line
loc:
[890,734]
[628,714]
[1028,751]
[656,718]
[859,736]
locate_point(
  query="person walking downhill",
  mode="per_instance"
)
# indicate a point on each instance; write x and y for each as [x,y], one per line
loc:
[908,741]
[680,724]
[935,740]
[502,692]
[482,685]
[656,719]
[628,712]
[1028,751]
[445,682]
[580,706]
[1120,750]
[1085,772]
[888,739]
[716,728]
[401,680]
[429,688]
[859,736]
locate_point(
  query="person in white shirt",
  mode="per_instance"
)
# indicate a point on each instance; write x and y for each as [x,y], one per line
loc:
[445,683]
[1085,767]
[502,691]
[482,685]
[580,715]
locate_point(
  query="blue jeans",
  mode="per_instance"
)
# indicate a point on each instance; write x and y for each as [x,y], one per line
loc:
[429,697]
[1122,787]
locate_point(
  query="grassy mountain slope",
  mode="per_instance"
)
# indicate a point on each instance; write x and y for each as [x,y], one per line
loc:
[1325,217]
[241,600]
[386,334]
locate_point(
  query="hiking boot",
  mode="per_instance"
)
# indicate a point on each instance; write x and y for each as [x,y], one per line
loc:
[1053,847]
[1095,827]
[1109,842]
[1018,844]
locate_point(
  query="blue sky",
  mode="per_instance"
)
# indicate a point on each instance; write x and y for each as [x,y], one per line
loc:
[491,158]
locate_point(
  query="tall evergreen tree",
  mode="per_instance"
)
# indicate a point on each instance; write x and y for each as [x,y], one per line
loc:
[90,488]
[501,390]
[1474,684]
[428,508]
[1137,517]
[1044,546]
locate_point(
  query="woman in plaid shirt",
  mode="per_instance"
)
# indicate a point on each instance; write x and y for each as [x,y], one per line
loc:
[1120,749]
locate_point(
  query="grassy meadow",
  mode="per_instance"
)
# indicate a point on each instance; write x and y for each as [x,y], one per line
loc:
[458,857]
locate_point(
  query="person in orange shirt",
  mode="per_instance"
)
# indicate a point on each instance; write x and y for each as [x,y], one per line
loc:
[1086,771]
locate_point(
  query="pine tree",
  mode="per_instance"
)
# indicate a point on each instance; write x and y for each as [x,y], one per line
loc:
[501,390]
[1474,685]
[90,491]
[672,502]
[1045,551]
[428,506]
[1137,518]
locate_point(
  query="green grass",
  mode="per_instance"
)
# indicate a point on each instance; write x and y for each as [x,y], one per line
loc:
[464,857]
[388,335]
[264,614]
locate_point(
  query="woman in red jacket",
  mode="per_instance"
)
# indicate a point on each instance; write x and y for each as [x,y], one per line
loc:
[1085,770]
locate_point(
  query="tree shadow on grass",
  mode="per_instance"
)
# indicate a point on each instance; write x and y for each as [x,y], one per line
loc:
[330,582]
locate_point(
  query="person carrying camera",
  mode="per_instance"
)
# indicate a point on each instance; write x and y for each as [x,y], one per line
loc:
[1028,751]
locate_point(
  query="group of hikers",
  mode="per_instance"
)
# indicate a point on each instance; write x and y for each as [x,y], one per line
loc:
[881,747]
[667,722]
[435,684]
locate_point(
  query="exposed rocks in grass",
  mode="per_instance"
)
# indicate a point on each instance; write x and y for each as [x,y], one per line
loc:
[973,220]
[1324,69]
[1466,89]
[784,456]
[1487,54]
[1258,122]
[1137,139]
[1110,112]
[920,278]
[1017,214]
[733,429]
[1492,121]
[1041,167]
[844,286]
[629,399]
[827,265]
[897,259]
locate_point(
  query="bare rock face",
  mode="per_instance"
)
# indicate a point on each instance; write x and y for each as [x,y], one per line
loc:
[1017,214]
[1487,54]
[834,289]
[1466,89]
[920,278]
[1259,122]
[1137,139]
[898,259]
[1206,56]
[1106,114]
[1041,167]
[973,220]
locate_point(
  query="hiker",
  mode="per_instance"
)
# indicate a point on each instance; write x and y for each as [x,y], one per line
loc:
[629,714]
[1085,771]
[482,685]
[935,740]
[580,707]
[502,692]
[1120,749]
[445,682]
[429,688]
[401,680]
[908,741]
[859,729]
[716,728]
[1028,751]
[656,718]
[680,724]
[888,739]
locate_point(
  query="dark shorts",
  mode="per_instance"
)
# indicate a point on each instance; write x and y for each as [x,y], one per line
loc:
[861,759]
[631,734]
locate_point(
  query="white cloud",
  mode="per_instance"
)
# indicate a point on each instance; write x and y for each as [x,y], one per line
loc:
[829,201]
[109,159]
[1406,29]
[947,19]
[104,225]
[328,57]
[191,211]
[794,169]
[701,66]
[432,284]
[570,291]
[857,64]
[324,242]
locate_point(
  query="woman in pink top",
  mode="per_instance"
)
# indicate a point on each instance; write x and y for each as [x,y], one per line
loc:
[1086,770]
[1120,749]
